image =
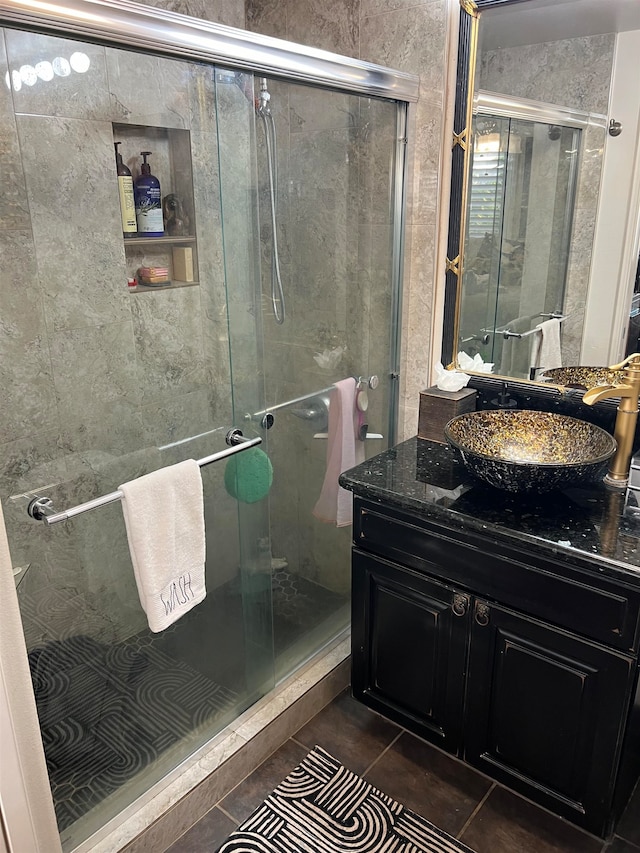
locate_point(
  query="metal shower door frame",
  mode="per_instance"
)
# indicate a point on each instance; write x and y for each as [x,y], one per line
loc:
[150,29]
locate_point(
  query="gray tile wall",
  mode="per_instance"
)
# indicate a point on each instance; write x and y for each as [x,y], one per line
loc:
[571,72]
[95,378]
[410,36]
[141,363]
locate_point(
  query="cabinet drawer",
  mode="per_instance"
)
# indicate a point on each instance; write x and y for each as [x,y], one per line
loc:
[562,595]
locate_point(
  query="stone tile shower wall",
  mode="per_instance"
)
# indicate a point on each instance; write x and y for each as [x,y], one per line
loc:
[573,73]
[335,255]
[96,379]
[91,321]
[413,38]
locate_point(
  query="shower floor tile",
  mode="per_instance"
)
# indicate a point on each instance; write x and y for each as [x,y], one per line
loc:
[107,712]
[299,605]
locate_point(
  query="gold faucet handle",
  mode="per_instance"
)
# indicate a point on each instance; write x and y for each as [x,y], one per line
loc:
[633,358]
[601,392]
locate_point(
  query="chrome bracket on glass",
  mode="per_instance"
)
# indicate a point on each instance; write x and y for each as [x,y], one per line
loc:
[40,508]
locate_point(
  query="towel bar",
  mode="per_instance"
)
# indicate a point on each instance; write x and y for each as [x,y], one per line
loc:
[259,415]
[41,507]
[509,334]
[369,435]
[506,333]
[265,416]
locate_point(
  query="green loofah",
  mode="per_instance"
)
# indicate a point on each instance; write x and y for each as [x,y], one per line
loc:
[248,475]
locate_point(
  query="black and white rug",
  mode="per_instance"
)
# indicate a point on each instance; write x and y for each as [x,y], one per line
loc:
[321,807]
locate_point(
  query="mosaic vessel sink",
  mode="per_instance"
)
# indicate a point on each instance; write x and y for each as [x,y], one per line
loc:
[530,451]
[584,377]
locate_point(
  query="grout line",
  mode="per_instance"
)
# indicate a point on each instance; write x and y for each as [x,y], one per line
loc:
[228,814]
[475,812]
[608,845]
[299,742]
[386,749]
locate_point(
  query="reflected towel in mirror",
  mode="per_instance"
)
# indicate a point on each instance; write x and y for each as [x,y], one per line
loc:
[545,347]
[516,352]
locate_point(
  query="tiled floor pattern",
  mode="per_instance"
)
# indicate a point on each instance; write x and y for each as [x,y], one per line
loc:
[484,815]
[107,712]
[108,709]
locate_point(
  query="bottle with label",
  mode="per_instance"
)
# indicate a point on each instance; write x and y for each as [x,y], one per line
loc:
[148,200]
[125,191]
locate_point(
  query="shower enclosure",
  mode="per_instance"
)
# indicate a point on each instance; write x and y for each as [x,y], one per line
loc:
[282,250]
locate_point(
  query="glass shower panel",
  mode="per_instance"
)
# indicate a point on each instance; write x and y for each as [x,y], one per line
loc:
[104,383]
[317,309]
[523,178]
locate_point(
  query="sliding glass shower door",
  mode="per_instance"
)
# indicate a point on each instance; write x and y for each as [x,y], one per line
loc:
[308,182]
[272,277]
[104,382]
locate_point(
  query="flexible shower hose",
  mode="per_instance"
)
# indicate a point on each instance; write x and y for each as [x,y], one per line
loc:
[277,292]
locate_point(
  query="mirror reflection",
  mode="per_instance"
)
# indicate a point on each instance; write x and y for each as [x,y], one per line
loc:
[550,253]
[519,217]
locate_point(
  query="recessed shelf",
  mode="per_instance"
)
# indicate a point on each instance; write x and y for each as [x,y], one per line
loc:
[148,288]
[172,166]
[161,241]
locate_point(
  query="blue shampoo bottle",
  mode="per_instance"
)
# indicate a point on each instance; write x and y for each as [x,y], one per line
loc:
[146,188]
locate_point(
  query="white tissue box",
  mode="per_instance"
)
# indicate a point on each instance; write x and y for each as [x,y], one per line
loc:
[438,407]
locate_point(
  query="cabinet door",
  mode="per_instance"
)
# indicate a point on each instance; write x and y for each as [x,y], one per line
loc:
[408,648]
[545,712]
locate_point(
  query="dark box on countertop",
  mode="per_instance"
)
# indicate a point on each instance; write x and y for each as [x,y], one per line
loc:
[438,407]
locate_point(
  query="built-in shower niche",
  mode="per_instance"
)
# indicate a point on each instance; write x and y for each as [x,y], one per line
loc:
[171,163]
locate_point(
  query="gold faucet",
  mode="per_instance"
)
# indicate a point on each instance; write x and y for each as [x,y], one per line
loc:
[626,418]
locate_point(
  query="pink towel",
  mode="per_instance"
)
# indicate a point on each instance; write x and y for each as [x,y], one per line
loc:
[335,504]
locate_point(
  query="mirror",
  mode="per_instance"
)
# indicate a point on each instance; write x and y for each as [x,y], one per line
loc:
[545,202]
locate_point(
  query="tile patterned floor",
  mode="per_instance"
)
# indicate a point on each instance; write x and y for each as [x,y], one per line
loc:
[484,815]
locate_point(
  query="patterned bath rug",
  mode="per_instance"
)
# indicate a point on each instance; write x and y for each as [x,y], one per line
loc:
[321,807]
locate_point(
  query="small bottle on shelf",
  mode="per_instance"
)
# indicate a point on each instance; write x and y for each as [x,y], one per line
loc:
[148,201]
[125,192]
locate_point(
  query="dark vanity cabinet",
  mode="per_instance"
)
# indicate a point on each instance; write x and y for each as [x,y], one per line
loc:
[522,665]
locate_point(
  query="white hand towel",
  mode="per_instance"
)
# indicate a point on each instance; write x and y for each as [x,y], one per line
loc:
[545,348]
[335,504]
[164,516]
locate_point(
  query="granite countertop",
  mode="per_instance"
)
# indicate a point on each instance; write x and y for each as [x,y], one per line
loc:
[588,524]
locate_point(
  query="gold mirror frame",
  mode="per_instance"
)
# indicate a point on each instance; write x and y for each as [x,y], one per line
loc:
[460,169]
[545,395]
[461,157]
[471,12]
